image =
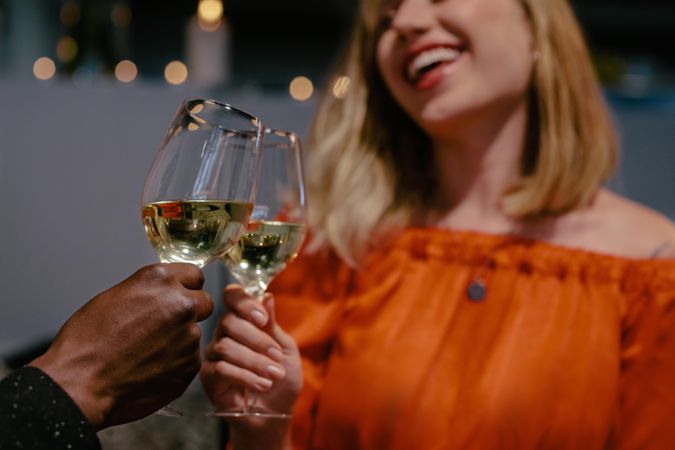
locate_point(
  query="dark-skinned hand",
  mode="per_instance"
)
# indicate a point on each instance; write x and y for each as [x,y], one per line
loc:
[133,348]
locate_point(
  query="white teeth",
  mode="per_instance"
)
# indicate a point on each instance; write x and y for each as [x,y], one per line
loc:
[429,57]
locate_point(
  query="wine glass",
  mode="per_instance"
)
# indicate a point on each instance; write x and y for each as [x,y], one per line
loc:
[199,193]
[273,236]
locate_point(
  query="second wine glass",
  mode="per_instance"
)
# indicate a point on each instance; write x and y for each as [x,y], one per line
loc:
[274,234]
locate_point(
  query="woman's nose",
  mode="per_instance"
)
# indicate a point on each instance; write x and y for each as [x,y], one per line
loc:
[412,18]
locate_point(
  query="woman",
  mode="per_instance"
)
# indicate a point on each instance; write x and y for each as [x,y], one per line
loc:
[469,283]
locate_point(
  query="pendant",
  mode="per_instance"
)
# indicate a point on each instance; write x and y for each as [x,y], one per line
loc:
[476,290]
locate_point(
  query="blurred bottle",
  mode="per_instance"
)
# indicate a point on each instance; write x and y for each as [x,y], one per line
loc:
[208,45]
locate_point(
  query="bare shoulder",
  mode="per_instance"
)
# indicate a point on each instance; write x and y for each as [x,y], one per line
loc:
[619,226]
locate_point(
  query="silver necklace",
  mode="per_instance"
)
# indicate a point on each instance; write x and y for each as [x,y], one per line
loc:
[477,288]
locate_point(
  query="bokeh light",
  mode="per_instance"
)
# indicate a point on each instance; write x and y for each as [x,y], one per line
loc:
[70,13]
[120,15]
[66,49]
[176,72]
[209,14]
[83,77]
[301,88]
[341,87]
[44,68]
[126,71]
[210,10]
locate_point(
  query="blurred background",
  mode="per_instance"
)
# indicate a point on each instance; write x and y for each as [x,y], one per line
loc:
[88,87]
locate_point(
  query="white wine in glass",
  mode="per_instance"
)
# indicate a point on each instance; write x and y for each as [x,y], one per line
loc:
[274,235]
[200,190]
[194,230]
[263,251]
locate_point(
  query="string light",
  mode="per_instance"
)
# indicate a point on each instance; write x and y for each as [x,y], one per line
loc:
[176,72]
[126,71]
[70,13]
[341,87]
[301,88]
[209,14]
[210,10]
[66,49]
[120,15]
[44,68]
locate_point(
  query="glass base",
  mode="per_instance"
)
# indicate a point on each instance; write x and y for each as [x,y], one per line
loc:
[254,413]
[168,411]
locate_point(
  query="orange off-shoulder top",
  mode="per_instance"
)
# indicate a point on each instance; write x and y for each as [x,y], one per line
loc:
[568,349]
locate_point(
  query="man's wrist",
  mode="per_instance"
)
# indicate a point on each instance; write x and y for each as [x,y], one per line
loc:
[41,414]
[79,387]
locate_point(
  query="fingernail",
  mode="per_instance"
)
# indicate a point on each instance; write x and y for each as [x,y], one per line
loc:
[264,383]
[276,372]
[259,318]
[275,354]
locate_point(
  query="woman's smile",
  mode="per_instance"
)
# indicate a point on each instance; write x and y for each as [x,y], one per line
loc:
[426,65]
[449,64]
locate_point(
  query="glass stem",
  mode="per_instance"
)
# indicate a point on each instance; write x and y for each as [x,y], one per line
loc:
[248,397]
[256,290]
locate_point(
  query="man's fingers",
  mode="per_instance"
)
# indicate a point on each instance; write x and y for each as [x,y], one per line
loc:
[188,275]
[203,305]
[237,300]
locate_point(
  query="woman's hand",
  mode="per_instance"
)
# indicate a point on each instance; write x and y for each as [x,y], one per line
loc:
[250,350]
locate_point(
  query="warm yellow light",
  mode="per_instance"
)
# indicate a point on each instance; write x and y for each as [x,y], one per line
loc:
[70,13]
[208,26]
[193,126]
[120,15]
[176,72]
[197,109]
[66,49]
[341,87]
[301,88]
[210,10]
[44,68]
[126,71]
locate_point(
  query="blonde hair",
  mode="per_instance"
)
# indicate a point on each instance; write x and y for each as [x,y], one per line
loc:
[370,166]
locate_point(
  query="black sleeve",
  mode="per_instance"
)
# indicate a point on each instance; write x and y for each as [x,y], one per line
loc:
[35,413]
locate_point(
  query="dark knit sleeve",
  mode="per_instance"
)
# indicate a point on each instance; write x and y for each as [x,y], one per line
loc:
[35,413]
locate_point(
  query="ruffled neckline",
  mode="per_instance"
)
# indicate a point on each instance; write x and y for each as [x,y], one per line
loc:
[483,249]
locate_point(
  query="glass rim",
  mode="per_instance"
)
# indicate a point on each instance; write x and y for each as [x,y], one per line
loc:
[291,135]
[255,121]
[279,132]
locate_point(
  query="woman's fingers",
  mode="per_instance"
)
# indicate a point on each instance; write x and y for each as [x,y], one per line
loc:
[237,300]
[234,327]
[261,313]
[219,375]
[241,365]
[274,330]
[245,352]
